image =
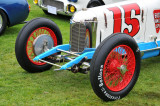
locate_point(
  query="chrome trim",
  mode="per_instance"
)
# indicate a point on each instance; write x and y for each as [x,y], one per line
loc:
[67,58]
[94,32]
[1,21]
[49,63]
[77,36]
[68,52]
[59,11]
[93,23]
[148,50]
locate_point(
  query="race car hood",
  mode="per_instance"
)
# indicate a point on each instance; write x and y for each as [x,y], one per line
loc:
[98,12]
[87,14]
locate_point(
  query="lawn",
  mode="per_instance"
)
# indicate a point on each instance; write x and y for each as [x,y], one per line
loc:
[17,87]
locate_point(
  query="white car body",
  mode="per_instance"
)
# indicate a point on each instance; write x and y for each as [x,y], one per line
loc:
[146,18]
[79,5]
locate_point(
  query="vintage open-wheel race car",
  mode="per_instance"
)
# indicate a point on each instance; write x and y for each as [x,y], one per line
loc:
[109,41]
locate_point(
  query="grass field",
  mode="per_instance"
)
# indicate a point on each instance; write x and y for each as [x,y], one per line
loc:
[17,87]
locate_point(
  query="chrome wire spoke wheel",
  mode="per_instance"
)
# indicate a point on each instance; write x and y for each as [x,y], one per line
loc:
[119,68]
[1,21]
[35,38]
[35,43]
[116,67]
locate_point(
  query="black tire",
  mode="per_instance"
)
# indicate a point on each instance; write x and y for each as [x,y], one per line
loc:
[3,21]
[89,29]
[94,3]
[24,59]
[104,67]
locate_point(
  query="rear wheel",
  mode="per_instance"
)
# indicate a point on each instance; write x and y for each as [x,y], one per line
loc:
[36,37]
[3,22]
[115,67]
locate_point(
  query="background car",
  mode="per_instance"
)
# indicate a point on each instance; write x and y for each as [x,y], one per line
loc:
[12,12]
[68,7]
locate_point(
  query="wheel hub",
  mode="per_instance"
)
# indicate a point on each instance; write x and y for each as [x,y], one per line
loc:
[119,68]
[114,64]
[42,43]
[123,69]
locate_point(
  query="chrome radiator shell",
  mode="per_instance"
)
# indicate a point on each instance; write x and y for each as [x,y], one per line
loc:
[78,34]
[77,37]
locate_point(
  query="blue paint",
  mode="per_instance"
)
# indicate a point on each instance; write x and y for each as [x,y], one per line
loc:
[149,45]
[16,10]
[52,51]
[89,52]
[89,55]
[73,0]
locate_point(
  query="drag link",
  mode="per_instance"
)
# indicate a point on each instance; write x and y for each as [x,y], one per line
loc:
[50,63]
[68,52]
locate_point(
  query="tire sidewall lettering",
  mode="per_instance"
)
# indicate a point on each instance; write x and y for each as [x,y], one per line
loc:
[103,87]
[98,65]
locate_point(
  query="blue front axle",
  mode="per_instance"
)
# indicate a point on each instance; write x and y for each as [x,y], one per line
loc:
[87,53]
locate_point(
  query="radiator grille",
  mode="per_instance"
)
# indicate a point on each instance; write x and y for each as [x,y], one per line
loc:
[57,4]
[77,38]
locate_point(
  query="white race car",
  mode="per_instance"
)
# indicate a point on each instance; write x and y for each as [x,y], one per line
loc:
[68,7]
[109,41]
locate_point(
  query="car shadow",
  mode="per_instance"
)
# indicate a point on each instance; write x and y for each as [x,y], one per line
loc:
[146,63]
[59,17]
[148,94]
[62,17]
[14,30]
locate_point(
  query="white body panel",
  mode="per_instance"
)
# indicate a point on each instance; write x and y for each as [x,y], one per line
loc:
[80,4]
[147,29]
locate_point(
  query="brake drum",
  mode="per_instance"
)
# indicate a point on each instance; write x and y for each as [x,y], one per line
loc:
[42,43]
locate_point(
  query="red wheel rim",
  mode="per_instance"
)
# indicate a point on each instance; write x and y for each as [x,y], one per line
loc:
[88,37]
[119,68]
[29,47]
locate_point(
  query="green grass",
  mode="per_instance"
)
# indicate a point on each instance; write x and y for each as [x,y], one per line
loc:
[17,87]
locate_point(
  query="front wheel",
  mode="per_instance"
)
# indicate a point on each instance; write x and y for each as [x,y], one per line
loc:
[36,37]
[115,67]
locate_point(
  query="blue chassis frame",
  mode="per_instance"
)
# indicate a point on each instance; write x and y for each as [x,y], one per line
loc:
[89,52]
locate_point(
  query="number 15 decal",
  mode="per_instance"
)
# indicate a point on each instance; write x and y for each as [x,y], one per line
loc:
[134,22]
